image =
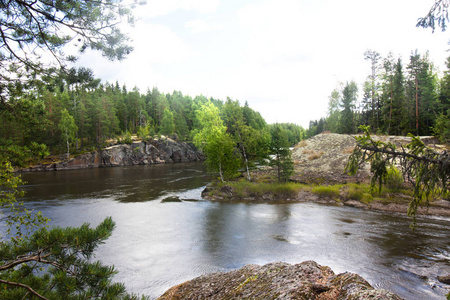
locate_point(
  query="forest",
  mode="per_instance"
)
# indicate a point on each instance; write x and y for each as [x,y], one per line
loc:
[396,98]
[74,112]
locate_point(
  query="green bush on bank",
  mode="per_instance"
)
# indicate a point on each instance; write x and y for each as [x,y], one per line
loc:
[327,191]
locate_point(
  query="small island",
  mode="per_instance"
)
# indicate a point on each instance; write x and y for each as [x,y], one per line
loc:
[319,176]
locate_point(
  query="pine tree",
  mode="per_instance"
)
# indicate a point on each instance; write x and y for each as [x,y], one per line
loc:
[372,87]
[349,96]
[281,155]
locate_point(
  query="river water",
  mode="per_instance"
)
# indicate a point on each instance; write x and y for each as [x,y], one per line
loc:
[166,234]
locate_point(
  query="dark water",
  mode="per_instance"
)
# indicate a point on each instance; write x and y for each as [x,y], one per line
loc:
[166,234]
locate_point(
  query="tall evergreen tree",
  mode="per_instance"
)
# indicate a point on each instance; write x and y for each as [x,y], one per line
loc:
[167,123]
[372,87]
[396,107]
[281,155]
[348,102]
[333,116]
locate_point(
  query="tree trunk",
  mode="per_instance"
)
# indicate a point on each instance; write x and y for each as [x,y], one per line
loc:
[68,154]
[417,107]
[220,172]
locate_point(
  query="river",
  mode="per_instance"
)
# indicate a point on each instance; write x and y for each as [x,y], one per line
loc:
[166,234]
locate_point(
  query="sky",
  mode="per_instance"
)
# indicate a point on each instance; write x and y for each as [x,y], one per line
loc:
[284,57]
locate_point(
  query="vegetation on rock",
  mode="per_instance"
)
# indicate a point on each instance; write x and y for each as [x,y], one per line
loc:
[426,169]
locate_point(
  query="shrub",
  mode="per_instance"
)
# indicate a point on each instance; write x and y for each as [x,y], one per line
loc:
[366,198]
[394,179]
[125,139]
[329,191]
[355,192]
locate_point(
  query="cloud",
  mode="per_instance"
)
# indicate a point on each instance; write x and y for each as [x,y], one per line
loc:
[155,8]
[282,56]
[158,44]
[200,25]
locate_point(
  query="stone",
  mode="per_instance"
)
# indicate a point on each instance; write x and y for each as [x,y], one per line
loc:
[444,279]
[279,280]
[137,153]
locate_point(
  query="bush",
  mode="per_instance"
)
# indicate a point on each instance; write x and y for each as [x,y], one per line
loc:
[143,132]
[355,192]
[125,139]
[394,179]
[329,191]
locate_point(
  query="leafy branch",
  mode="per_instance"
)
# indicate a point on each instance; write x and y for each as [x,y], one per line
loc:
[426,169]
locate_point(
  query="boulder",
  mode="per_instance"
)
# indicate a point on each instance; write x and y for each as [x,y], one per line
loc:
[136,153]
[444,279]
[279,280]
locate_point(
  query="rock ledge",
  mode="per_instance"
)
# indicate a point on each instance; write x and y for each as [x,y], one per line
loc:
[279,280]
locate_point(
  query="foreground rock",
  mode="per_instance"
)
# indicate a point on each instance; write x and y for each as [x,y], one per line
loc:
[307,280]
[137,153]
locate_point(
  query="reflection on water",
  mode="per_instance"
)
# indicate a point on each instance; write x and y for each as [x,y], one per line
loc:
[166,234]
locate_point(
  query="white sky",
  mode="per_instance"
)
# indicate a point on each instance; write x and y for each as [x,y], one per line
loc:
[282,56]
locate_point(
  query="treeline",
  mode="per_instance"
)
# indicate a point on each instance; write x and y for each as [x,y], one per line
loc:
[76,111]
[395,99]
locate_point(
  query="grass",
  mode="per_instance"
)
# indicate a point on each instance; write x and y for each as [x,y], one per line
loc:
[327,191]
[242,188]
[361,192]
[315,155]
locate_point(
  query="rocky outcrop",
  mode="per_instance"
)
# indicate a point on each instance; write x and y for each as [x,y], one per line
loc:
[137,153]
[321,159]
[307,280]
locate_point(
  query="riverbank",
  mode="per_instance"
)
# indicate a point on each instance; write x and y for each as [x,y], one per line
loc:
[349,194]
[319,164]
[155,151]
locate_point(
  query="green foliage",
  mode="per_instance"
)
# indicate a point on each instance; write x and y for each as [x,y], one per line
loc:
[68,128]
[359,192]
[21,156]
[167,123]
[19,221]
[281,155]
[397,98]
[216,143]
[442,127]
[56,263]
[393,179]
[349,97]
[51,25]
[145,132]
[126,139]
[64,255]
[328,191]
[426,169]
[437,16]
[247,188]
[294,133]
[252,143]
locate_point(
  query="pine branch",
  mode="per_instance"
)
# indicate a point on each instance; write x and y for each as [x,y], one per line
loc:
[25,287]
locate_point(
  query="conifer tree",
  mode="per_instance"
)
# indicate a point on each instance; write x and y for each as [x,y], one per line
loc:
[349,96]
[279,148]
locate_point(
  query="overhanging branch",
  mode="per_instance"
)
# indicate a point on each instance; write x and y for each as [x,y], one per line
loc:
[25,287]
